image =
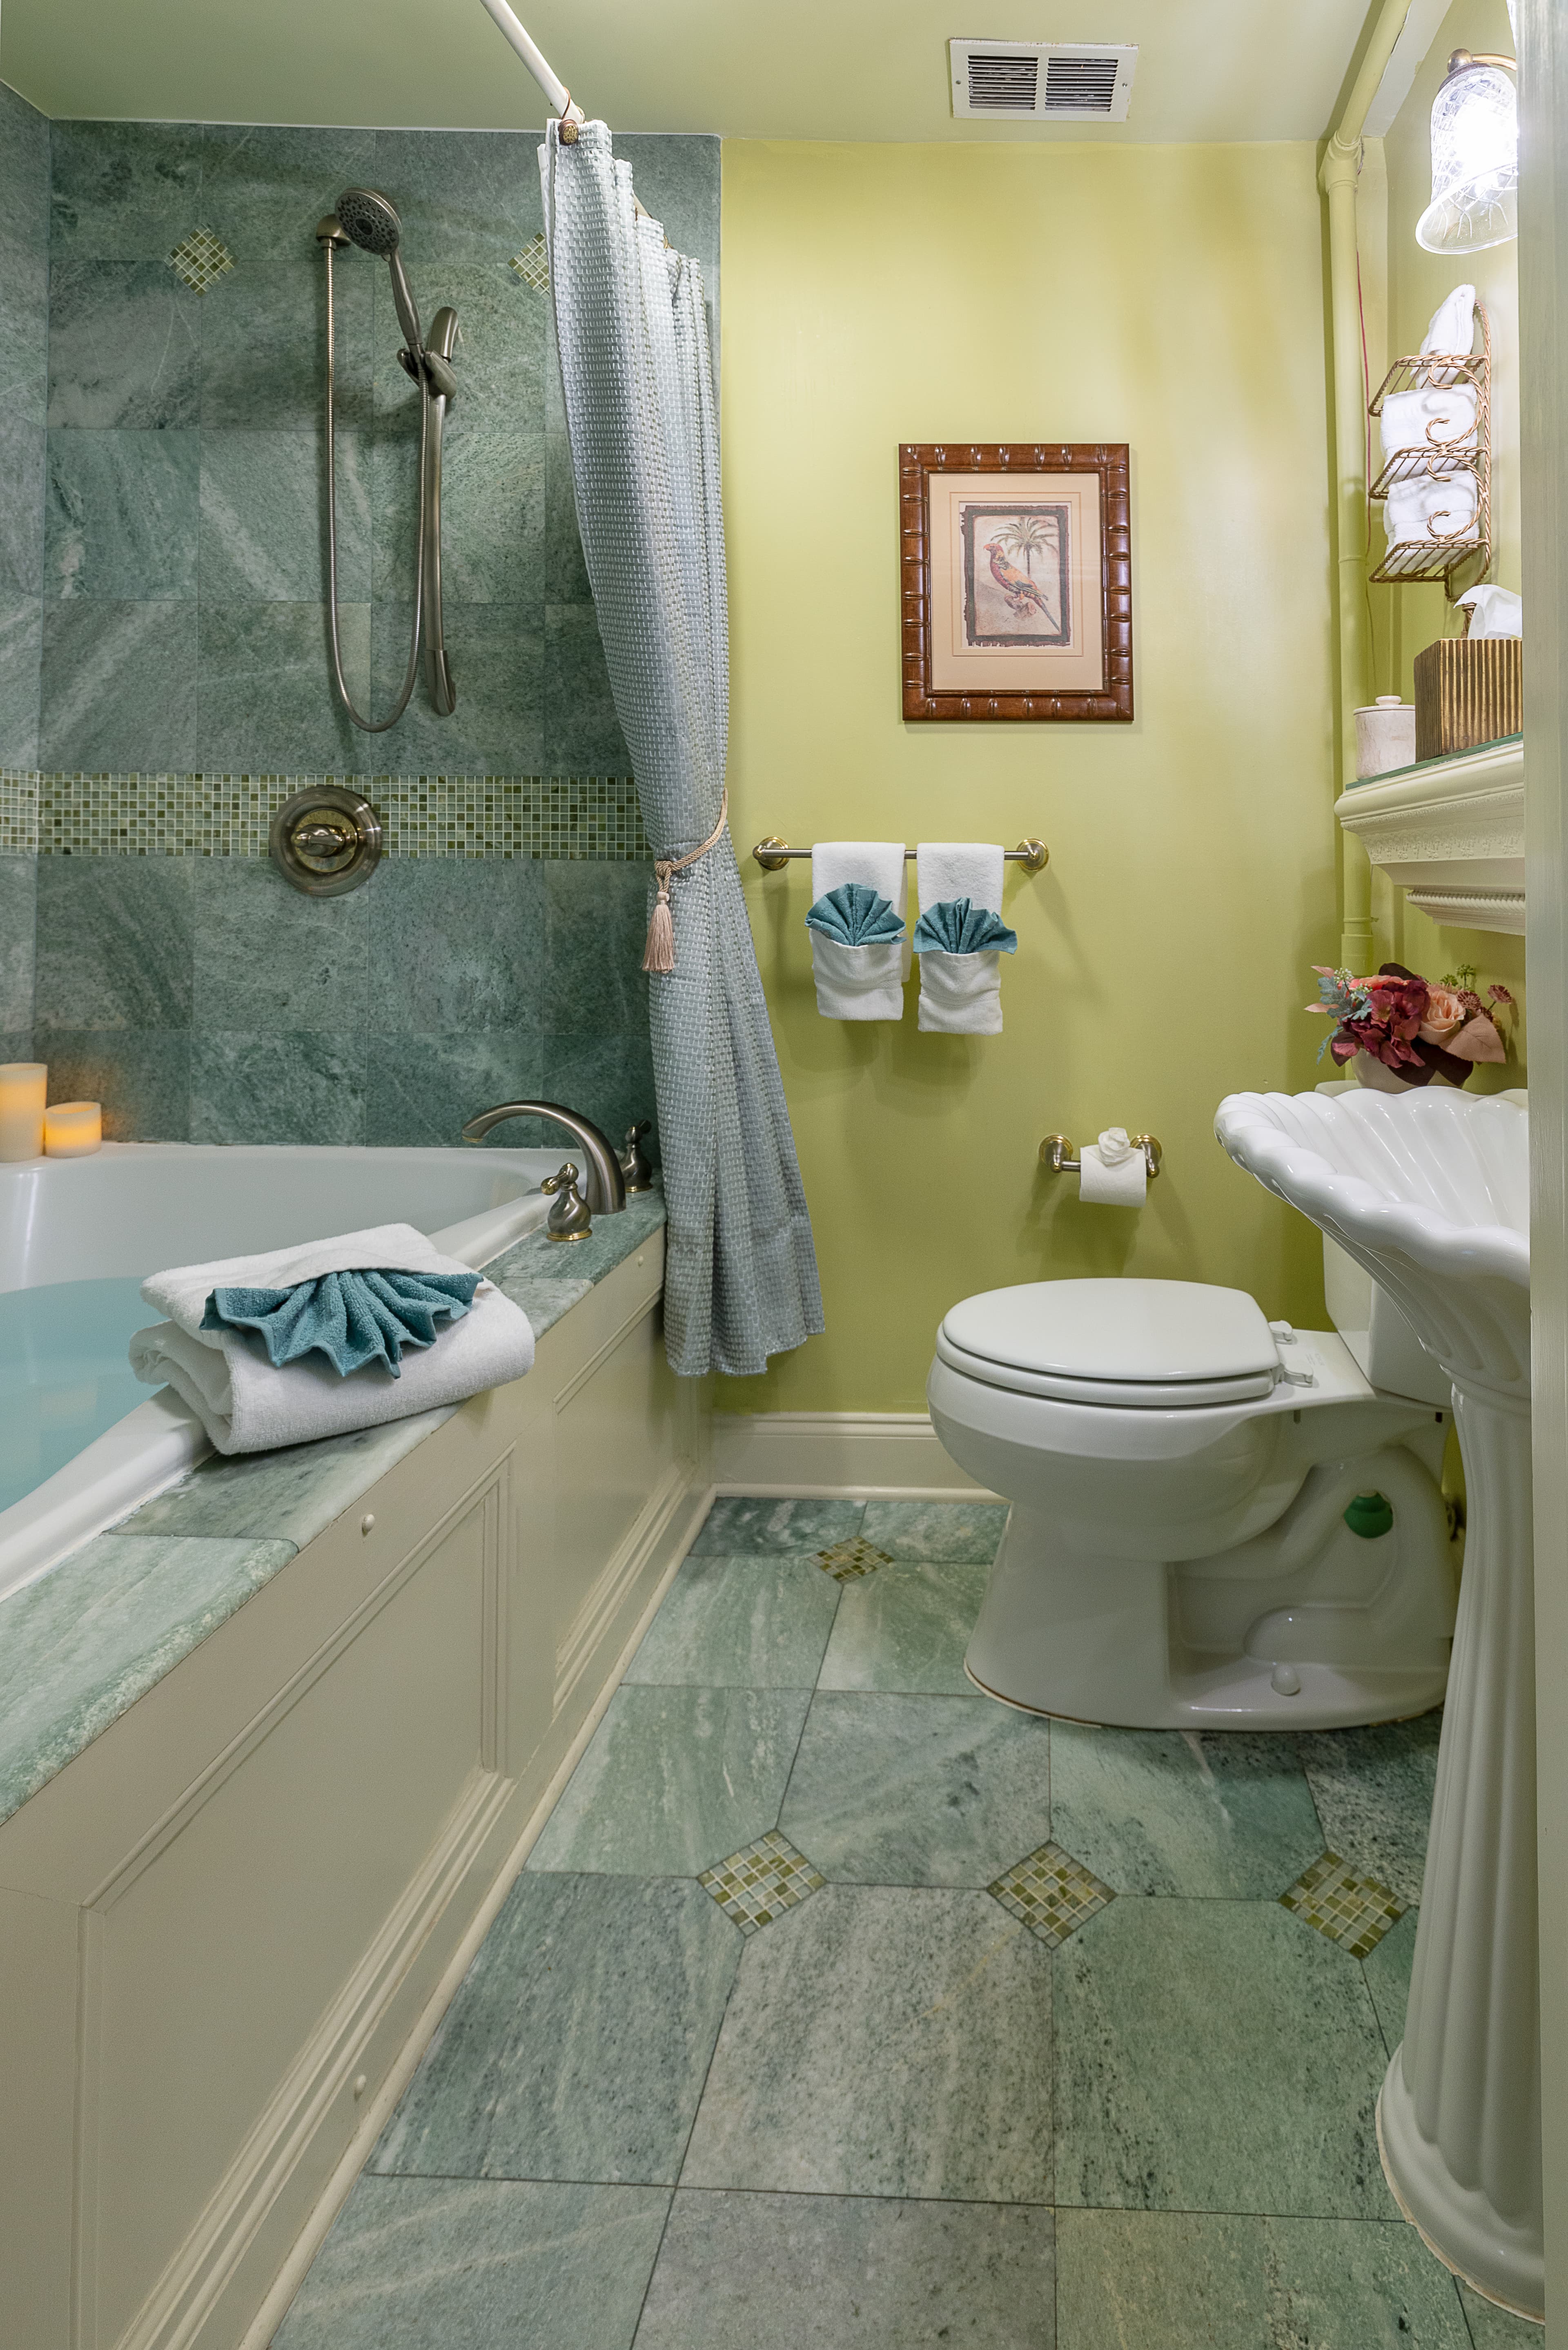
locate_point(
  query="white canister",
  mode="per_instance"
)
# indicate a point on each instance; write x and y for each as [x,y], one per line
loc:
[1384,736]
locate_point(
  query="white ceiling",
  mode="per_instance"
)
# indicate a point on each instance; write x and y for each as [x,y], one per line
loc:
[841,69]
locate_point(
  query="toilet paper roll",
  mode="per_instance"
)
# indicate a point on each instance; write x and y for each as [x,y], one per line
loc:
[1115,1172]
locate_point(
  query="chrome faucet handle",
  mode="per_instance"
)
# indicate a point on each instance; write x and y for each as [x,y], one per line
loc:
[634,1163]
[568,1219]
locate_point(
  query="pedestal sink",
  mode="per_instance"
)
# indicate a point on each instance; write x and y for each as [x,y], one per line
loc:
[1431,1192]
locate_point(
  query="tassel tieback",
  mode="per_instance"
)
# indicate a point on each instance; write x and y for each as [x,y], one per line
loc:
[658,954]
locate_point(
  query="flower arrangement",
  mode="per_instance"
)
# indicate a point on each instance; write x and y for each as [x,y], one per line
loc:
[1416,1028]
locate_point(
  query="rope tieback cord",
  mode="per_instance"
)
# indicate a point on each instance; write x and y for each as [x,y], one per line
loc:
[658,954]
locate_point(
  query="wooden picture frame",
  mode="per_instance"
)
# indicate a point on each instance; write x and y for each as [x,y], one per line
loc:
[983,639]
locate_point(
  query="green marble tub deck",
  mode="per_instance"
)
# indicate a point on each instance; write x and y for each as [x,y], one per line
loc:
[764,2049]
[80,1644]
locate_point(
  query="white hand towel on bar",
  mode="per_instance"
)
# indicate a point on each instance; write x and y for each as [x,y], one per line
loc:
[961,994]
[246,1406]
[861,983]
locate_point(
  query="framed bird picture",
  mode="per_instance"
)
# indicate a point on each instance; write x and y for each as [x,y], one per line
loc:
[1016,562]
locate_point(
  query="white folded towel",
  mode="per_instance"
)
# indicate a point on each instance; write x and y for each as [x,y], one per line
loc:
[1416,512]
[861,983]
[1441,416]
[1452,325]
[246,1406]
[961,994]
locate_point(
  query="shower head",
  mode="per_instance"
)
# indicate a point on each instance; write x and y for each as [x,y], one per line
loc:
[371,220]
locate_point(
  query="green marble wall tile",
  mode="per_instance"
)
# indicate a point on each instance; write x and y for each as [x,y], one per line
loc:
[581,729]
[454,945]
[265,185]
[1373,1789]
[114,942]
[493,512]
[740,1623]
[428,2264]
[265,957]
[774,2271]
[1227,1816]
[906,1627]
[499,360]
[880,2042]
[83,1642]
[277,1086]
[118,685]
[142,1075]
[263,530]
[678,180]
[674,1781]
[1188,2281]
[609,1078]
[565,567]
[124,190]
[264,344]
[24,256]
[22,496]
[463,195]
[578,2042]
[423,1087]
[21,655]
[266,700]
[918,1790]
[738,1523]
[1387,1971]
[124,346]
[1215,2056]
[18,901]
[497,659]
[595,927]
[121,515]
[962,1532]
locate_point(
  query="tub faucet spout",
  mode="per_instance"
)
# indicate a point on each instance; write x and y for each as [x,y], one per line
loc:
[605,1186]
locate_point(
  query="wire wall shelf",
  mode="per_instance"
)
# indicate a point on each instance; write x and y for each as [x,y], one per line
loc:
[1463,456]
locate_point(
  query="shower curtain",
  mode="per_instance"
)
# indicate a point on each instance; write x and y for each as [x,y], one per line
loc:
[740,1279]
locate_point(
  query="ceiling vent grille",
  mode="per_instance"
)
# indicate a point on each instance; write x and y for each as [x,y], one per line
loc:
[1072,81]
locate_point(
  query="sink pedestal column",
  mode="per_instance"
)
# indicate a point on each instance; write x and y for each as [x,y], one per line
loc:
[1459,2121]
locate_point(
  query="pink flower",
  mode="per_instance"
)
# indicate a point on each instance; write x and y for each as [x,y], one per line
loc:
[1443,1016]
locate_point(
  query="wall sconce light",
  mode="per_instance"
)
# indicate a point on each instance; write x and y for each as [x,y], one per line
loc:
[1475,156]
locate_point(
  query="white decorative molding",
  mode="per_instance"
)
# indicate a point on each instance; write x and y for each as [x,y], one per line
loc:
[836,1455]
[1450,832]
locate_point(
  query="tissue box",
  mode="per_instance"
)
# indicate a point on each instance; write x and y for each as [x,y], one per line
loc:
[1468,691]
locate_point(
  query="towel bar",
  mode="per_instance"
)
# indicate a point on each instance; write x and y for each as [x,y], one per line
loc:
[773,855]
[1056,1154]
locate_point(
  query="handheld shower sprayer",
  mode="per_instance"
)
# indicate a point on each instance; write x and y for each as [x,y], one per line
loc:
[367,218]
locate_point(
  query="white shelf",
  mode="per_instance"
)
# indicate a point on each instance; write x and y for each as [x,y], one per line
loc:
[1450,833]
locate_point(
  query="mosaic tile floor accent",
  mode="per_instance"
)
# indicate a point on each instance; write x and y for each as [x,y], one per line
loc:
[200,259]
[1354,1911]
[1051,1892]
[758,1885]
[846,1560]
[533,264]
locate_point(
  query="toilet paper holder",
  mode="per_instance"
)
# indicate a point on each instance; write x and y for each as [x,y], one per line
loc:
[1058,1154]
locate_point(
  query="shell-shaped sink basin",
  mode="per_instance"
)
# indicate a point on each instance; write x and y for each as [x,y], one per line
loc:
[1429,1191]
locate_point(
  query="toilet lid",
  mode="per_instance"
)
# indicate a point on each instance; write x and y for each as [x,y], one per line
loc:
[1119,1332]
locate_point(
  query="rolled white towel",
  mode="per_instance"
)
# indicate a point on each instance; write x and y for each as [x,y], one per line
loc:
[1452,325]
[1418,511]
[961,994]
[247,1405]
[1439,416]
[865,983]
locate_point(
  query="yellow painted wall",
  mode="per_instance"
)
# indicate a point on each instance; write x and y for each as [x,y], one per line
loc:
[1171,297]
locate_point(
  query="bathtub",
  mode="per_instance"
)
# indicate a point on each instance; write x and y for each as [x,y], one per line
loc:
[81,1444]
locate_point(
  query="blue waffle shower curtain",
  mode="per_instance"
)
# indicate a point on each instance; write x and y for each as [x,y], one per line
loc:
[740,1279]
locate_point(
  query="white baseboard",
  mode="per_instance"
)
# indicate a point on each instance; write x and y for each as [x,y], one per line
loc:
[836,1455]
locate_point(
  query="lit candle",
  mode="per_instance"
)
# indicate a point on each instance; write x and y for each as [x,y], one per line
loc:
[72,1129]
[22,1090]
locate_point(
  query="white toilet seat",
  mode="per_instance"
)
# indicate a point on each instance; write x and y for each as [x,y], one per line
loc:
[1122,1344]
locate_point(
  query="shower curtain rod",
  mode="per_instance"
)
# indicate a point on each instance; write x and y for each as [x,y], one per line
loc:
[555,92]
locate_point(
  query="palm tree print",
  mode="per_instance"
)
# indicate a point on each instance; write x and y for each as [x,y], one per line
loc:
[1028,535]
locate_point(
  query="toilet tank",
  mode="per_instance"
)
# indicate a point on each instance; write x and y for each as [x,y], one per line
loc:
[1377,1332]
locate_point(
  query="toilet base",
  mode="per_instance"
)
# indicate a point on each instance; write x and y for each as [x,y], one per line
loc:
[1237,1694]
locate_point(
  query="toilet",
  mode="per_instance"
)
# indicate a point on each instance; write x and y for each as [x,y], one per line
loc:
[1216,1520]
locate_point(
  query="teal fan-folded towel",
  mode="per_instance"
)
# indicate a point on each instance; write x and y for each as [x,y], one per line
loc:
[855,915]
[958,927]
[352,1318]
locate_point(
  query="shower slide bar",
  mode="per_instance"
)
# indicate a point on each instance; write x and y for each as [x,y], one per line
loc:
[773,855]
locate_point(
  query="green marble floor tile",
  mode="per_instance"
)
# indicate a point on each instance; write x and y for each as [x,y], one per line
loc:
[1387,1971]
[675,1780]
[737,1522]
[906,1627]
[1188,2281]
[1373,1789]
[775,2271]
[959,1531]
[578,2042]
[1493,2328]
[1183,1811]
[918,1790]
[1215,2056]
[884,2041]
[741,1623]
[438,2265]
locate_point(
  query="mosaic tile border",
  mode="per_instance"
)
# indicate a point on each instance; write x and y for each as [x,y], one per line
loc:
[510,816]
[1343,1904]
[1051,1892]
[758,1884]
[857,1556]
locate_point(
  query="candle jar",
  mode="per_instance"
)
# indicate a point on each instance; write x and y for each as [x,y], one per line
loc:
[23,1085]
[72,1129]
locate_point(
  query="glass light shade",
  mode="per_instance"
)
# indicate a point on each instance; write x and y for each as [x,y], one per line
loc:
[1475,162]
